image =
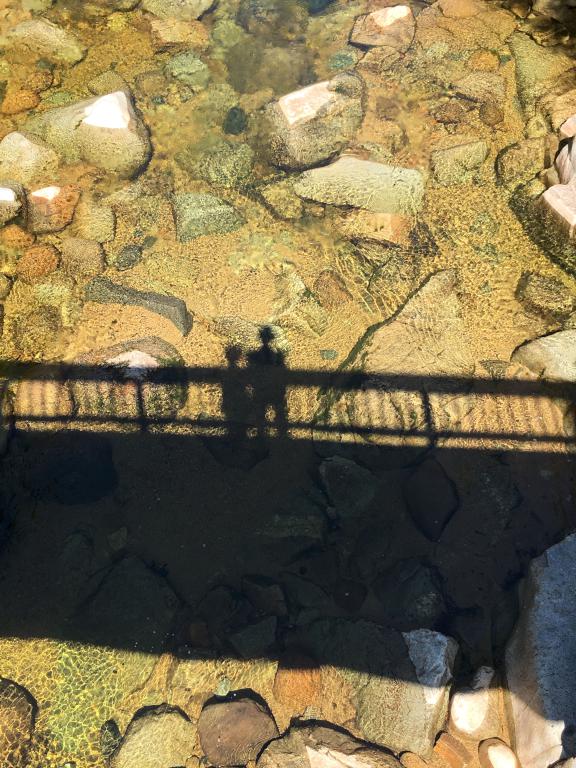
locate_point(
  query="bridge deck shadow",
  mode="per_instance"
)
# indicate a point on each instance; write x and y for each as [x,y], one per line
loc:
[104,470]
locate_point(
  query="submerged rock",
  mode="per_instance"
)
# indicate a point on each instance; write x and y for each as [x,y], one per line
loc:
[43,38]
[12,198]
[179,10]
[311,125]
[551,357]
[17,719]
[104,131]
[233,732]
[540,658]
[460,164]
[200,214]
[364,184]
[134,359]
[27,159]
[104,291]
[317,746]
[51,209]
[131,605]
[545,296]
[157,736]
[392,27]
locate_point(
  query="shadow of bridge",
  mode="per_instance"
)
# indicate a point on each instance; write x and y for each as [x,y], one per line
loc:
[150,508]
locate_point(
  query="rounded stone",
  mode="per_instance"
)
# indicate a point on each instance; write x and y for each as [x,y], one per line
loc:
[233,732]
[37,262]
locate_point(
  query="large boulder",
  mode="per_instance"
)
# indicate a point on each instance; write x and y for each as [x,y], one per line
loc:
[311,125]
[316,746]
[104,131]
[551,357]
[540,660]
[389,688]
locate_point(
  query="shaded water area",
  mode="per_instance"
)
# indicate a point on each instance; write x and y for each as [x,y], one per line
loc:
[287,367]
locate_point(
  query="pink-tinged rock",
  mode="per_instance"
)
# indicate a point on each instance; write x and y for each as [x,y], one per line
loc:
[568,128]
[565,162]
[311,125]
[51,209]
[391,27]
[559,203]
[305,104]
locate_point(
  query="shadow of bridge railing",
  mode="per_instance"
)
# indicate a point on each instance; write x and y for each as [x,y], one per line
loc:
[510,413]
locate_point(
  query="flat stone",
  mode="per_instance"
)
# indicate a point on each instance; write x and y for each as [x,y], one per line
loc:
[105,291]
[234,732]
[159,736]
[539,658]
[392,27]
[45,39]
[387,228]
[315,746]
[311,125]
[551,357]
[27,159]
[202,214]
[104,131]
[459,164]
[364,184]
[538,69]
[179,10]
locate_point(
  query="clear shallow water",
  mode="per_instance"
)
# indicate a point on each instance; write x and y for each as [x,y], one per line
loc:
[128,501]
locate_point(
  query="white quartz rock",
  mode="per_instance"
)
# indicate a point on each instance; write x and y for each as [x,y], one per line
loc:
[104,131]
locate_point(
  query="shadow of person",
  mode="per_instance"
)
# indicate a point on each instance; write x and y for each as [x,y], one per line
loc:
[235,398]
[266,368]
